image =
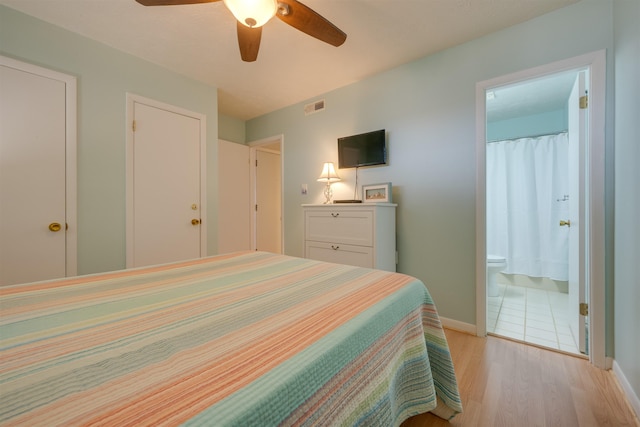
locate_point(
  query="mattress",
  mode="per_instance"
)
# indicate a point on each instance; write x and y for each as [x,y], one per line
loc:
[240,339]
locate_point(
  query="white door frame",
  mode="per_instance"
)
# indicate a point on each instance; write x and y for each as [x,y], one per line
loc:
[596,63]
[253,145]
[71,144]
[131,100]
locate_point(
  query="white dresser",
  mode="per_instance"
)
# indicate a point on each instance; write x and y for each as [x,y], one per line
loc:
[360,234]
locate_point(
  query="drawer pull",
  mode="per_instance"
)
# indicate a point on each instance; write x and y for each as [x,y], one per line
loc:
[335,248]
[335,215]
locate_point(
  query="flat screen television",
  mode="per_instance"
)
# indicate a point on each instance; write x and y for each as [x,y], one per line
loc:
[365,149]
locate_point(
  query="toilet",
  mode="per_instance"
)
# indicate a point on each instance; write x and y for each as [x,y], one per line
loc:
[495,264]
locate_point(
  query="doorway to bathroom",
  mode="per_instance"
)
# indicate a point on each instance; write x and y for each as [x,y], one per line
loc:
[531,159]
[536,170]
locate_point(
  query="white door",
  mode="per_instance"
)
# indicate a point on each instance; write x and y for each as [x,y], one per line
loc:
[268,201]
[33,173]
[234,197]
[576,220]
[165,184]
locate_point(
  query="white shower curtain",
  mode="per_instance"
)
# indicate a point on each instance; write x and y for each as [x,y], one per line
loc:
[527,196]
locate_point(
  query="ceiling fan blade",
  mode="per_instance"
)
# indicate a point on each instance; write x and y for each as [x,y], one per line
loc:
[172,2]
[308,21]
[249,42]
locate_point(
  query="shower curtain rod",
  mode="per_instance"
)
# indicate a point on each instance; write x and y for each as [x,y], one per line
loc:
[528,136]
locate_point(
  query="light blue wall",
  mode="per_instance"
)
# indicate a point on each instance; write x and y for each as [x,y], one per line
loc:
[546,123]
[627,188]
[231,129]
[428,110]
[104,77]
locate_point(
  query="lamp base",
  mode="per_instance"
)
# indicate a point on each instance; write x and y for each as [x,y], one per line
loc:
[328,193]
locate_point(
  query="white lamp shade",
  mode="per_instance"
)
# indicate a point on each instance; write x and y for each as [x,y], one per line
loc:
[328,173]
[252,13]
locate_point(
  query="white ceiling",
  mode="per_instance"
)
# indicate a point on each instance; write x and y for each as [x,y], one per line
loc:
[199,41]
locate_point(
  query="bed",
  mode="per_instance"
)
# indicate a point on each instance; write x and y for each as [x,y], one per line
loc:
[240,339]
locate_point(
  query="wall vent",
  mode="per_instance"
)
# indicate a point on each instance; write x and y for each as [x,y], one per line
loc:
[314,107]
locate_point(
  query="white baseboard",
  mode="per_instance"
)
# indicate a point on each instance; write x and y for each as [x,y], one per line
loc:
[631,396]
[457,325]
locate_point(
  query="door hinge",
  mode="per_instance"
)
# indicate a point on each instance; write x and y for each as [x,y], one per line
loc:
[584,309]
[584,102]
[256,208]
[256,162]
[133,126]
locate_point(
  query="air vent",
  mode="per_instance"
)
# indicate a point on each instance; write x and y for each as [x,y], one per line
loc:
[314,107]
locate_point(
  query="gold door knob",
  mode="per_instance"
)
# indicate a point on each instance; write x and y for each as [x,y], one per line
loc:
[195,221]
[563,223]
[55,227]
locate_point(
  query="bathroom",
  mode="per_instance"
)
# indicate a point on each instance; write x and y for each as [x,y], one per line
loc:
[531,193]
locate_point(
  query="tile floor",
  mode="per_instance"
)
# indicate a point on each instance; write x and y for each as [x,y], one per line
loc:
[531,315]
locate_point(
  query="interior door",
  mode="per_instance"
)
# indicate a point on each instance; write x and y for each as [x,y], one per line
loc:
[234,197]
[166,186]
[268,201]
[33,173]
[577,194]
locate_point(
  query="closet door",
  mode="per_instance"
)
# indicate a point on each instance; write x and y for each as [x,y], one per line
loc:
[234,197]
[165,184]
[33,174]
[268,201]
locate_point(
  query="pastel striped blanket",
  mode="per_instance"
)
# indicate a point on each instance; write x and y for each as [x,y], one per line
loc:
[245,339]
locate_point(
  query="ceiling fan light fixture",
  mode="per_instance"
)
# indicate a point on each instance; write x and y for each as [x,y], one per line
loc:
[252,13]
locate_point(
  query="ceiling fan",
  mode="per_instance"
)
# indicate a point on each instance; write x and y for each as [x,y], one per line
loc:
[253,14]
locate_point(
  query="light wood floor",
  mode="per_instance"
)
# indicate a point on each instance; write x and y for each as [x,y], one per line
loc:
[505,383]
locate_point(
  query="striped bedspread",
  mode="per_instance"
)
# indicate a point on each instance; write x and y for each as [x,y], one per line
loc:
[246,339]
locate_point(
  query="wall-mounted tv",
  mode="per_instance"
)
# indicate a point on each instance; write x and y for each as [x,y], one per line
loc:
[365,149]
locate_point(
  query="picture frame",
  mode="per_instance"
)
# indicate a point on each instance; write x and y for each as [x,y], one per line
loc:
[377,193]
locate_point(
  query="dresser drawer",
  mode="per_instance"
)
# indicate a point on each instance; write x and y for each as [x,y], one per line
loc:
[360,256]
[360,234]
[350,227]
